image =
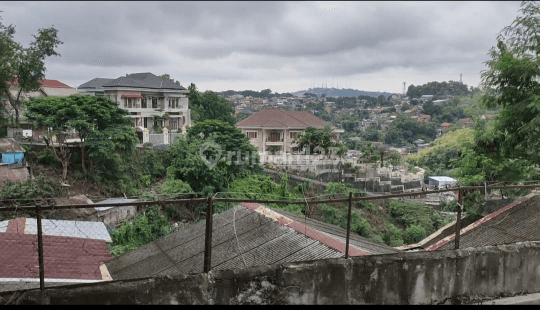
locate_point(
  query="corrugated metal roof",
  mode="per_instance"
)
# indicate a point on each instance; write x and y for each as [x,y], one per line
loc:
[357,241]
[112,200]
[9,145]
[261,240]
[517,222]
[75,229]
[443,179]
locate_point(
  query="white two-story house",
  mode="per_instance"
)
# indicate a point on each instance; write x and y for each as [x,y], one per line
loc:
[145,95]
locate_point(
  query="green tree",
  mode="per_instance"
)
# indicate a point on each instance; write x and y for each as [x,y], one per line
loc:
[316,139]
[507,149]
[236,157]
[209,105]
[511,83]
[24,65]
[99,122]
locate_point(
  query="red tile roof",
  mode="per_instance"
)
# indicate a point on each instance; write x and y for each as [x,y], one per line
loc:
[279,118]
[445,125]
[63,257]
[44,83]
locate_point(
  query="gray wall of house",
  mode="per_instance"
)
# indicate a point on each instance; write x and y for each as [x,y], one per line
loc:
[439,277]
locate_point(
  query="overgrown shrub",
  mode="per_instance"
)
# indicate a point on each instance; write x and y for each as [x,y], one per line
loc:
[414,234]
[393,236]
[46,157]
[39,188]
[144,229]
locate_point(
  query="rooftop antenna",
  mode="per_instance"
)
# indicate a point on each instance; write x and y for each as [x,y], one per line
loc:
[404,89]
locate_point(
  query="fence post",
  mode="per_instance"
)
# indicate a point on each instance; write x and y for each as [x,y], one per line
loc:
[208,235]
[348,226]
[458,220]
[166,136]
[146,135]
[40,248]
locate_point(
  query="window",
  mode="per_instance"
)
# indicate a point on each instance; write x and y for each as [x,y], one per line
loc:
[143,103]
[252,134]
[293,135]
[173,124]
[125,102]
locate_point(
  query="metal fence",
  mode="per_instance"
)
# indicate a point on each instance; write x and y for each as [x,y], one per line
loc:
[44,245]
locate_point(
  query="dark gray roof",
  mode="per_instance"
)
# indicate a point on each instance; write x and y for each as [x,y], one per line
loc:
[95,83]
[262,241]
[9,145]
[143,80]
[517,222]
[340,234]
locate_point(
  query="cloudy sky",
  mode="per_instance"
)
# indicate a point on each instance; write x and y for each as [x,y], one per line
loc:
[284,46]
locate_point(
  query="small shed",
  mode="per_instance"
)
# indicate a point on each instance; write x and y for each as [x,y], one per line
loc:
[11,151]
[441,181]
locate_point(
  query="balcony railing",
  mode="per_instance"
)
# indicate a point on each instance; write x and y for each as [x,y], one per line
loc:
[270,139]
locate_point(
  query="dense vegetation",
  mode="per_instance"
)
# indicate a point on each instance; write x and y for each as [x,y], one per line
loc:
[437,89]
[440,158]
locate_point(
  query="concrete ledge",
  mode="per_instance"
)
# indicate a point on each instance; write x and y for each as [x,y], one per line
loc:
[464,276]
[530,299]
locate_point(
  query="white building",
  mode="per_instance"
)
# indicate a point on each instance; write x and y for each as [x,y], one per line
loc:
[441,181]
[145,95]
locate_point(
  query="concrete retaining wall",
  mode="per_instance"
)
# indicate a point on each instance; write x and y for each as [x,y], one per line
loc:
[453,276]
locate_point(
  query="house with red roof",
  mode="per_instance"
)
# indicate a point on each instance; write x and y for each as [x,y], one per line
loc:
[444,128]
[48,88]
[423,118]
[73,252]
[276,129]
[467,122]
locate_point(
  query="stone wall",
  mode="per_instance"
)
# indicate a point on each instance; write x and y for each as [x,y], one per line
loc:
[439,277]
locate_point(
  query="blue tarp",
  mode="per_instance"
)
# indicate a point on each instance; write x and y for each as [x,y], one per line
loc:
[10,158]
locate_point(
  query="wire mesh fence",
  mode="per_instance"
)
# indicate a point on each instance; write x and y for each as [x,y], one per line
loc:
[45,244]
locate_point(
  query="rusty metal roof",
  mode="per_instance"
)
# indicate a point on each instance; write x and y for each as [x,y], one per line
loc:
[9,145]
[517,222]
[262,237]
[356,241]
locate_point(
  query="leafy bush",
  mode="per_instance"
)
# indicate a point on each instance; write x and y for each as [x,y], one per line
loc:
[39,188]
[144,229]
[333,188]
[148,145]
[173,188]
[145,179]
[393,236]
[414,234]
[46,157]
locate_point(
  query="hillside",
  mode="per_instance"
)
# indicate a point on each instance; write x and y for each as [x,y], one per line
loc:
[335,92]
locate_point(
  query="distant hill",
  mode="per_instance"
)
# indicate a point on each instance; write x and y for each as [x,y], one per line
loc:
[437,89]
[344,92]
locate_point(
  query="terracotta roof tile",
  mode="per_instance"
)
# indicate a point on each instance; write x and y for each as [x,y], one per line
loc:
[63,257]
[279,118]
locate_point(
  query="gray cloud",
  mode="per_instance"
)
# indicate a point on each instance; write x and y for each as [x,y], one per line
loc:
[241,43]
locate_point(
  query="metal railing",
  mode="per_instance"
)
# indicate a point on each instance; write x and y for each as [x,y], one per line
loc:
[51,228]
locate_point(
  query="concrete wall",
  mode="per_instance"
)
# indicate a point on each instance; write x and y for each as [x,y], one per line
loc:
[453,276]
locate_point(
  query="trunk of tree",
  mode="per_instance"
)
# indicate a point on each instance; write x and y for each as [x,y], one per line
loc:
[382,162]
[83,151]
[62,155]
